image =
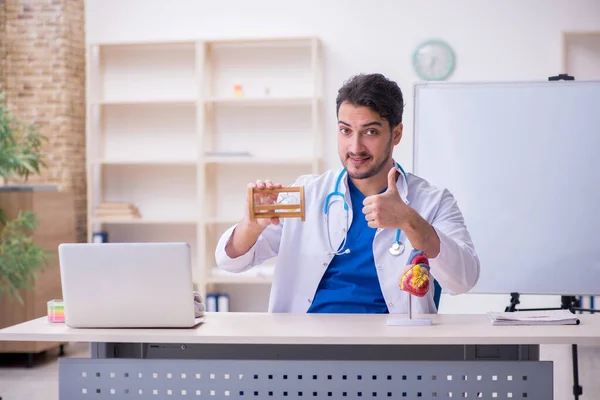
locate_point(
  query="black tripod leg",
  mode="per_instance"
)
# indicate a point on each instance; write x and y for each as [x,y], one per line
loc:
[514,301]
[577,389]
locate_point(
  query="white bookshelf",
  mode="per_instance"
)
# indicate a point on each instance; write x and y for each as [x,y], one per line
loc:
[168,132]
[147,73]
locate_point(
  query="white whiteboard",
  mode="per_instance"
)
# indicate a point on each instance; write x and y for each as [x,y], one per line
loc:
[523,162]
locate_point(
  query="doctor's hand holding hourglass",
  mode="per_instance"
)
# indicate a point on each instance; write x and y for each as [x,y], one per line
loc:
[248,230]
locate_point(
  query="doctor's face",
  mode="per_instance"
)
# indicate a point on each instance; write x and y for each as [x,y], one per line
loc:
[365,141]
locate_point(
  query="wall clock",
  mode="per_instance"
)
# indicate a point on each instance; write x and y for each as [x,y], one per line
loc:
[434,60]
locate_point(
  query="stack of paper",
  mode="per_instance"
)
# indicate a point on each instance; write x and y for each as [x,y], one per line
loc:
[544,317]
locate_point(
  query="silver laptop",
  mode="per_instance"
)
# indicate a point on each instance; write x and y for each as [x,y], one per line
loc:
[127,285]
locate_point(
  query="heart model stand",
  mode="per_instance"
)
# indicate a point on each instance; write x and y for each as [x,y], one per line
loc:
[416,281]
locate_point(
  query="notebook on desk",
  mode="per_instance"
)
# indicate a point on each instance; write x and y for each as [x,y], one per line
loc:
[543,317]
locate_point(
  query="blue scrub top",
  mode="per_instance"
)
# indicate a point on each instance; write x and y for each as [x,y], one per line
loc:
[350,284]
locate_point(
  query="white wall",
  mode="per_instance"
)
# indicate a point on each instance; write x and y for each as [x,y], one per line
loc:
[493,40]
[583,56]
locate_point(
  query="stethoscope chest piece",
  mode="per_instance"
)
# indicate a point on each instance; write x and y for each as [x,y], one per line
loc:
[397,248]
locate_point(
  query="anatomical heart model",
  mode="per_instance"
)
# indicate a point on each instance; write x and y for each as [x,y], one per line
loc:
[415,279]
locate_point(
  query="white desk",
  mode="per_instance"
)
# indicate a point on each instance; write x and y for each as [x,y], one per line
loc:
[318,329]
[267,356]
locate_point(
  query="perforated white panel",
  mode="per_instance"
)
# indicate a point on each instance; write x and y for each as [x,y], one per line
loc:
[248,379]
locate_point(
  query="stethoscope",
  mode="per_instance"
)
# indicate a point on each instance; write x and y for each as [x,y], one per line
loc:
[397,247]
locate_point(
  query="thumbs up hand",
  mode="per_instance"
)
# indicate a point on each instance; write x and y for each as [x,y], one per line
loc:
[386,210]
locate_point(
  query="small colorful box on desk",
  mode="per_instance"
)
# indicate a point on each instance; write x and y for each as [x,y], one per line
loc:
[56,311]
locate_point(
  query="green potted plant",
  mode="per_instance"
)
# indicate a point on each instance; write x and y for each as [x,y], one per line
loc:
[20,156]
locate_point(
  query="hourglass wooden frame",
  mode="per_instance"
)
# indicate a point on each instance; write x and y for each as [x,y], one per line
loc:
[276,210]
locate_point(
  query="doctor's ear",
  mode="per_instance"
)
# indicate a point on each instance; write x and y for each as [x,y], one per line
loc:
[397,133]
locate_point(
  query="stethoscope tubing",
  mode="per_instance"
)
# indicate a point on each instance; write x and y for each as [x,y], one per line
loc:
[397,247]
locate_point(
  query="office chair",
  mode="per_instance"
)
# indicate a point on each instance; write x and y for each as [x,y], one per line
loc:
[437,293]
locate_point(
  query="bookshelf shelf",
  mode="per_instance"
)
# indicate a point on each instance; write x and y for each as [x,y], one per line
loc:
[221,221]
[178,129]
[158,191]
[158,72]
[164,162]
[190,102]
[265,101]
[258,161]
[239,280]
[262,274]
[145,221]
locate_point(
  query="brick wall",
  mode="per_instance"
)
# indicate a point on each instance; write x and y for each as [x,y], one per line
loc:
[43,75]
[2,42]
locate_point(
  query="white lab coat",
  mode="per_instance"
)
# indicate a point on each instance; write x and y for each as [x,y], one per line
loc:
[303,252]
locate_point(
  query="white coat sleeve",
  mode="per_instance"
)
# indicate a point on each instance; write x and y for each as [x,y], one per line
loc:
[456,267]
[267,246]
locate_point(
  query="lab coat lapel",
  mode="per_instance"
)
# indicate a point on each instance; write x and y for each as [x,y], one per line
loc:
[402,185]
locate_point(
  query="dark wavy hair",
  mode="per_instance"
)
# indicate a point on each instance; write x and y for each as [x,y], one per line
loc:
[376,92]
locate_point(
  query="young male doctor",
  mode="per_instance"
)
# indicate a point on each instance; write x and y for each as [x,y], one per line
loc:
[350,252]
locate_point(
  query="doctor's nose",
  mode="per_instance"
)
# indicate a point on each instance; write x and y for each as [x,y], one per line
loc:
[356,145]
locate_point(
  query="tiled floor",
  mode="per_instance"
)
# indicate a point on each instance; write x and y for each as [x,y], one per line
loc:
[39,382]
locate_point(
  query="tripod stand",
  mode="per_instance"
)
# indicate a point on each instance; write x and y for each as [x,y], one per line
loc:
[572,304]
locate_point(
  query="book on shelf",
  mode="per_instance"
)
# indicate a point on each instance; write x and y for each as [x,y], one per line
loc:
[116,206]
[542,317]
[117,211]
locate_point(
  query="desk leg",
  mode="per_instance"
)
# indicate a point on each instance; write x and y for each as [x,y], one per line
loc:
[98,350]
[118,350]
